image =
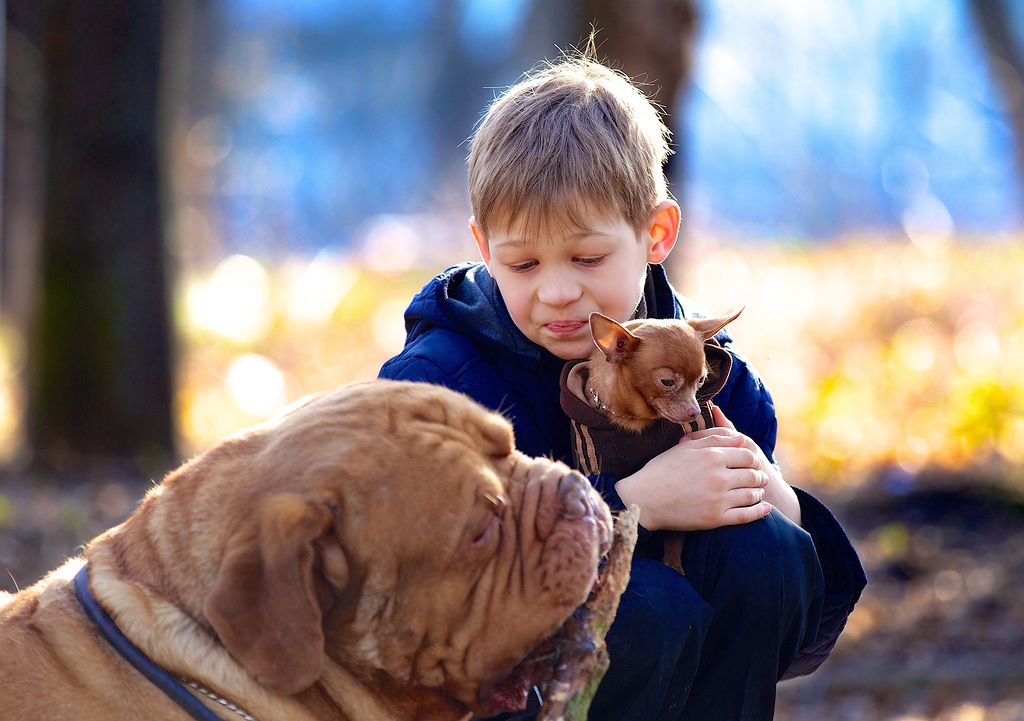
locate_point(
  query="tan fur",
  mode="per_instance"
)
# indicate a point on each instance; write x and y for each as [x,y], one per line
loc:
[381,552]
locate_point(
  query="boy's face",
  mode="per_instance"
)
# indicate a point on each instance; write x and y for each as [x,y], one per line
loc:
[553,283]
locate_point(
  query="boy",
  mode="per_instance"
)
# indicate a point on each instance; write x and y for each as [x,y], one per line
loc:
[571,214]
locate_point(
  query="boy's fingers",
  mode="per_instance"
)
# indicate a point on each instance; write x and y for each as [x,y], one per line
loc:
[718,436]
[746,477]
[746,497]
[739,458]
[746,514]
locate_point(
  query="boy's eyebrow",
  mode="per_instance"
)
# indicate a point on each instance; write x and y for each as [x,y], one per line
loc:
[513,243]
[579,234]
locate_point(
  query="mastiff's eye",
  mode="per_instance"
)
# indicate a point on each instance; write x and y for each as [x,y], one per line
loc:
[488,533]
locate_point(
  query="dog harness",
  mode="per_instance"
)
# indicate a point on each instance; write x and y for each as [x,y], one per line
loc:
[173,687]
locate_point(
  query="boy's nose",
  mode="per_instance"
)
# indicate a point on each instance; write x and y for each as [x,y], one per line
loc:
[557,289]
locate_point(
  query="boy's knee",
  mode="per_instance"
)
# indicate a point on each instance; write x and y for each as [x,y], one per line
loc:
[761,562]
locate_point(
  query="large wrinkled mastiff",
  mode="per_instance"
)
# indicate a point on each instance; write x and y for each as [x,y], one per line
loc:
[381,552]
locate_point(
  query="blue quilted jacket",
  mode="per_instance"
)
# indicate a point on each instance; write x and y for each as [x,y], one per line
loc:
[460,335]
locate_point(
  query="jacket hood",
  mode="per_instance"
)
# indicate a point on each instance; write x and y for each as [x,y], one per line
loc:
[465,298]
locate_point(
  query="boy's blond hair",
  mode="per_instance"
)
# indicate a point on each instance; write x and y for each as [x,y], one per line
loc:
[572,137]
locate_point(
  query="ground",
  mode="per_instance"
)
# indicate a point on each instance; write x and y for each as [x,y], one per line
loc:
[939,632]
[937,636]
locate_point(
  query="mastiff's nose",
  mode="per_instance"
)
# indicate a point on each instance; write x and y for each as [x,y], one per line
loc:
[575,491]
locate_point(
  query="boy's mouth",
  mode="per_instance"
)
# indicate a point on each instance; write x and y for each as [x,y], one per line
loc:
[564,327]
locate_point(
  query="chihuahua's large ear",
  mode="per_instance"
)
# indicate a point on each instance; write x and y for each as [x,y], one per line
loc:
[617,343]
[264,604]
[708,327]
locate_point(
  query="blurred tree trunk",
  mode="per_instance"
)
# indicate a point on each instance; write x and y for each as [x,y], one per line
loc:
[653,42]
[22,171]
[100,356]
[1006,62]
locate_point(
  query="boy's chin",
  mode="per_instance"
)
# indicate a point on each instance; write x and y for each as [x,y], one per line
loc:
[570,351]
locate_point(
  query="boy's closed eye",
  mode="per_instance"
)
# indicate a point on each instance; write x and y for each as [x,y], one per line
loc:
[521,267]
[525,266]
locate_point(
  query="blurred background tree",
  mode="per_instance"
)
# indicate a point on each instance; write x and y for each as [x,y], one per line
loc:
[99,371]
[654,42]
[1003,49]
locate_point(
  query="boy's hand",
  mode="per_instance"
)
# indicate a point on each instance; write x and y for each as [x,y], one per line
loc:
[778,492]
[703,482]
[711,478]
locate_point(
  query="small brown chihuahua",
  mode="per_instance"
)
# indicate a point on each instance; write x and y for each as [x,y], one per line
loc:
[643,371]
[654,368]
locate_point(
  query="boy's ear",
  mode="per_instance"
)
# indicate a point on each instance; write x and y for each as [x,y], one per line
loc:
[481,241]
[662,230]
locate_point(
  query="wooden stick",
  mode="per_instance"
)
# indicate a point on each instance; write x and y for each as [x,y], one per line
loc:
[583,656]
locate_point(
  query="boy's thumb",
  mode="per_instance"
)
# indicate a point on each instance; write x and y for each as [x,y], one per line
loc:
[720,420]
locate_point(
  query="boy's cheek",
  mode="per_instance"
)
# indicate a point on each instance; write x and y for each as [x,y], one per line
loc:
[524,327]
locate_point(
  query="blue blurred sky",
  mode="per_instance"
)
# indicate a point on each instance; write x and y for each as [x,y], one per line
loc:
[815,118]
[805,120]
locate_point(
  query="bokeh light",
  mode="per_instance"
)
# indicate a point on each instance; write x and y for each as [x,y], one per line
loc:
[880,353]
[256,384]
[871,361]
[318,287]
[234,302]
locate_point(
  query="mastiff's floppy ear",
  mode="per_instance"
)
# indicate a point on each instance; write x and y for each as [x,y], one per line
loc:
[264,604]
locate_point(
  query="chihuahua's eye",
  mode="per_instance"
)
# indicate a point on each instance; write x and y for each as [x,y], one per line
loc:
[701,381]
[668,382]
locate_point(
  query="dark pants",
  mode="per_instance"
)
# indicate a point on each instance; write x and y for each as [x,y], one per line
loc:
[714,643]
